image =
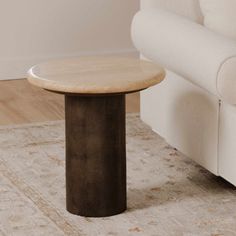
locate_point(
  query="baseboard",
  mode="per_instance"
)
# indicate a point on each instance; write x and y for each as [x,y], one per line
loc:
[16,68]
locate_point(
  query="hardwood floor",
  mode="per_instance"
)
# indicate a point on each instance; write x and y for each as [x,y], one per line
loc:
[21,103]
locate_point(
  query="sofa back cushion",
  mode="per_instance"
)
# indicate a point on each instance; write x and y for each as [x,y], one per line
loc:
[220,16]
[188,8]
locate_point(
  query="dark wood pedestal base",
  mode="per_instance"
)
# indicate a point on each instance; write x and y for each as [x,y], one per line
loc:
[95,155]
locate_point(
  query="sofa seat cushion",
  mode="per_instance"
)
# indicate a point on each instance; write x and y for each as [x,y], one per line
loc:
[203,57]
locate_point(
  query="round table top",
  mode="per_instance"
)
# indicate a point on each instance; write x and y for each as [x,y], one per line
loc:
[96,75]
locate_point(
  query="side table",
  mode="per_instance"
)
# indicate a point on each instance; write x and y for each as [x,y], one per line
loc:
[95,89]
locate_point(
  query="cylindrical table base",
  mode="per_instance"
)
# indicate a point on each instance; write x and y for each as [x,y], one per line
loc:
[95,155]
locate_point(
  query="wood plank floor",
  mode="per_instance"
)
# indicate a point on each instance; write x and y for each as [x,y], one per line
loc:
[22,103]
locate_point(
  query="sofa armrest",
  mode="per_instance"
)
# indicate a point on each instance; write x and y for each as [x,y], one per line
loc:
[205,58]
[188,8]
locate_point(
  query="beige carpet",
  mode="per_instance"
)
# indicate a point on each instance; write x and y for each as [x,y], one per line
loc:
[167,193]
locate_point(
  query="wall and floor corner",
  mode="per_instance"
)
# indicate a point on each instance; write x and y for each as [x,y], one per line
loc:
[35,31]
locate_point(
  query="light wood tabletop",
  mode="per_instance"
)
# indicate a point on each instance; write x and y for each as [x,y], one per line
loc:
[96,75]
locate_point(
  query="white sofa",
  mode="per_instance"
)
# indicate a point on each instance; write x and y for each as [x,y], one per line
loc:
[194,108]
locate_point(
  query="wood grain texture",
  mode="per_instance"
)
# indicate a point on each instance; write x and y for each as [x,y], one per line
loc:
[95,155]
[22,103]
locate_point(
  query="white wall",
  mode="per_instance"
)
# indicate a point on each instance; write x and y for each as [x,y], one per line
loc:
[36,30]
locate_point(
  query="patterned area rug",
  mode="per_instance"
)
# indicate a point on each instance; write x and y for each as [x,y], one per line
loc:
[168,194]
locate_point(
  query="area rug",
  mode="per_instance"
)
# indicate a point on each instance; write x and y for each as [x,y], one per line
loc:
[168,194]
